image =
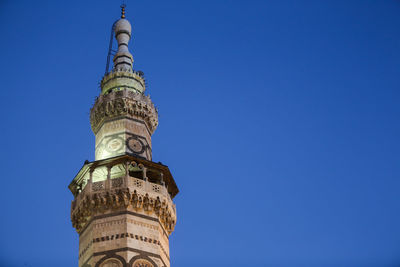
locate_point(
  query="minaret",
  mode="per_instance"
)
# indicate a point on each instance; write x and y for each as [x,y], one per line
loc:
[122,207]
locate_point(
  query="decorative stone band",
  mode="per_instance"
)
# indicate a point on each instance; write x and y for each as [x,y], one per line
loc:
[121,199]
[123,103]
[127,235]
[123,79]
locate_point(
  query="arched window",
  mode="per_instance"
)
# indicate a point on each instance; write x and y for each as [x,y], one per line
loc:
[111,263]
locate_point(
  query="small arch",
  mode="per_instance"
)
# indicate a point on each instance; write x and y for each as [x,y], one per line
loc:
[100,174]
[117,171]
[135,171]
[141,261]
[113,260]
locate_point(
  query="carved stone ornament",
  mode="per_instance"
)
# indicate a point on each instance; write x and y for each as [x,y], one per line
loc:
[142,263]
[120,199]
[123,103]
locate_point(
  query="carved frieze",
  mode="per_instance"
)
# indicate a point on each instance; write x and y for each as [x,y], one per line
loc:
[124,103]
[96,203]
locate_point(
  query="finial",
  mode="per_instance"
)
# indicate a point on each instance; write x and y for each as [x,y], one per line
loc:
[123,11]
[122,59]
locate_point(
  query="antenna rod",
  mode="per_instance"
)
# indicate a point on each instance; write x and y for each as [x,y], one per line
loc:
[110,47]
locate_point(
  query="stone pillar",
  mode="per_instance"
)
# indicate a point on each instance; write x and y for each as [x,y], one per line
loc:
[108,181]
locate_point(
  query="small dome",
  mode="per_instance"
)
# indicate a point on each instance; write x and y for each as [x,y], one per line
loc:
[123,25]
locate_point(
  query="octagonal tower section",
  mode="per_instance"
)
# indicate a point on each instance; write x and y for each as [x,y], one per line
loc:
[122,117]
[123,211]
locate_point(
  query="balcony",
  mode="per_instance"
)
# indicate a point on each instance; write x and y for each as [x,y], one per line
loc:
[123,183]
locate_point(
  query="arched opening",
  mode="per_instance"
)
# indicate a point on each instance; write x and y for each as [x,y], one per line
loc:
[135,171]
[154,176]
[99,174]
[117,171]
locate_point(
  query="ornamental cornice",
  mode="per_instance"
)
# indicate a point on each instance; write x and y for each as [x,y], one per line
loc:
[98,203]
[123,103]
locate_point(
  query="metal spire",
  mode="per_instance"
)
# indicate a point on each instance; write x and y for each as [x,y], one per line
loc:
[123,10]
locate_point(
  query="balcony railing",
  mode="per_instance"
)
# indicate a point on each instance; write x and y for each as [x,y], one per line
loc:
[142,186]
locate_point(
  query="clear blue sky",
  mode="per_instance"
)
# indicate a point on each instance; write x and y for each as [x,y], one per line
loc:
[278,119]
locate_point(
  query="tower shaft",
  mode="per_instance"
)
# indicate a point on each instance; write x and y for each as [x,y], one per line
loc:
[122,208]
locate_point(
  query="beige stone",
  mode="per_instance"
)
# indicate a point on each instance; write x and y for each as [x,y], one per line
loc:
[123,206]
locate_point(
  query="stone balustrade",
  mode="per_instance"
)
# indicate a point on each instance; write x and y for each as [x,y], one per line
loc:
[121,183]
[141,186]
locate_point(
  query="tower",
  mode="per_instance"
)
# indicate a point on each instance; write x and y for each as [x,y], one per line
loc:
[122,208]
